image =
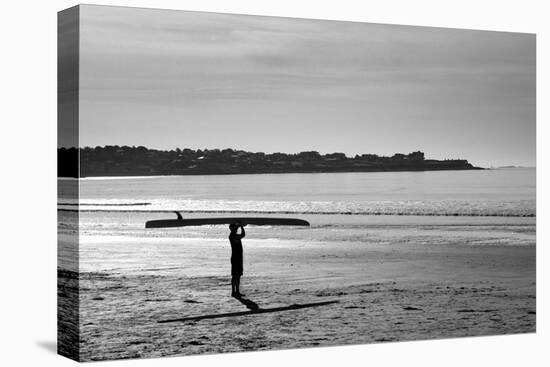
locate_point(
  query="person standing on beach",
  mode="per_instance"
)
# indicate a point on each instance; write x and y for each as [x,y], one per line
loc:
[236,257]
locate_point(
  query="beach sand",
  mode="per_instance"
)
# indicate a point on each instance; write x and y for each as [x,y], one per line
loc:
[170,295]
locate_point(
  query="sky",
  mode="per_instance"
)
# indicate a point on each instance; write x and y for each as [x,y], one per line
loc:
[166,79]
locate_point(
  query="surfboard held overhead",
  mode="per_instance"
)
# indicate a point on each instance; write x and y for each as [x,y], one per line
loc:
[255,221]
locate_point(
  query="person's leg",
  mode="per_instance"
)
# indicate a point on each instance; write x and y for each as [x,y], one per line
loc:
[233,285]
[237,284]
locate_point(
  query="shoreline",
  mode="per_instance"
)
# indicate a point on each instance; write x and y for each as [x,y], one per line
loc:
[121,177]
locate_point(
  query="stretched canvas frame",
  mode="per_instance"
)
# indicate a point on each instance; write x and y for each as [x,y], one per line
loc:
[262,122]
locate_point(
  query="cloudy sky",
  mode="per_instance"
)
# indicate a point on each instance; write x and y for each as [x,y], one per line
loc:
[167,79]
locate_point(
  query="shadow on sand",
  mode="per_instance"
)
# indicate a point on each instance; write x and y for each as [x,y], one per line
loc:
[251,305]
[254,309]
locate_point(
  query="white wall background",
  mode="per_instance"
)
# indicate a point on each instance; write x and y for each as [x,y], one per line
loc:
[28,180]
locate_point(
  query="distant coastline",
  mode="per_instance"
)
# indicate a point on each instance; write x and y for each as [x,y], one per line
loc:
[125,161]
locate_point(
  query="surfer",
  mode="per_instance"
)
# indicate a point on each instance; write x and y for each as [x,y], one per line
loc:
[236,257]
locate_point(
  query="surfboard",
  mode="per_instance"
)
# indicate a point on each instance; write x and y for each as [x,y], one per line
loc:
[255,221]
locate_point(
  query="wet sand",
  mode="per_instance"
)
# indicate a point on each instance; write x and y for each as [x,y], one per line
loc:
[303,294]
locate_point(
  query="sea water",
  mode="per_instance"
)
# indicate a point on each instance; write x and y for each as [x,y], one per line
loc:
[435,208]
[499,192]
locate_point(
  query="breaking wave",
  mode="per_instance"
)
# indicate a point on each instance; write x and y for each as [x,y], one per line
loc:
[102,204]
[375,213]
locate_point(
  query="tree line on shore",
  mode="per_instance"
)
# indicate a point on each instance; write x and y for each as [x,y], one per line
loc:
[114,160]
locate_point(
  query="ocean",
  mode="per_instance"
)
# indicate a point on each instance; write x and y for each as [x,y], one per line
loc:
[489,207]
[498,192]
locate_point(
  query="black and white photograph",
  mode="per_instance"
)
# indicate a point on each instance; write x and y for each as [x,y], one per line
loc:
[231,183]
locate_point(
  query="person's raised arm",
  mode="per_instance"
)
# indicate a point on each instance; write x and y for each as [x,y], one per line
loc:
[242,231]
